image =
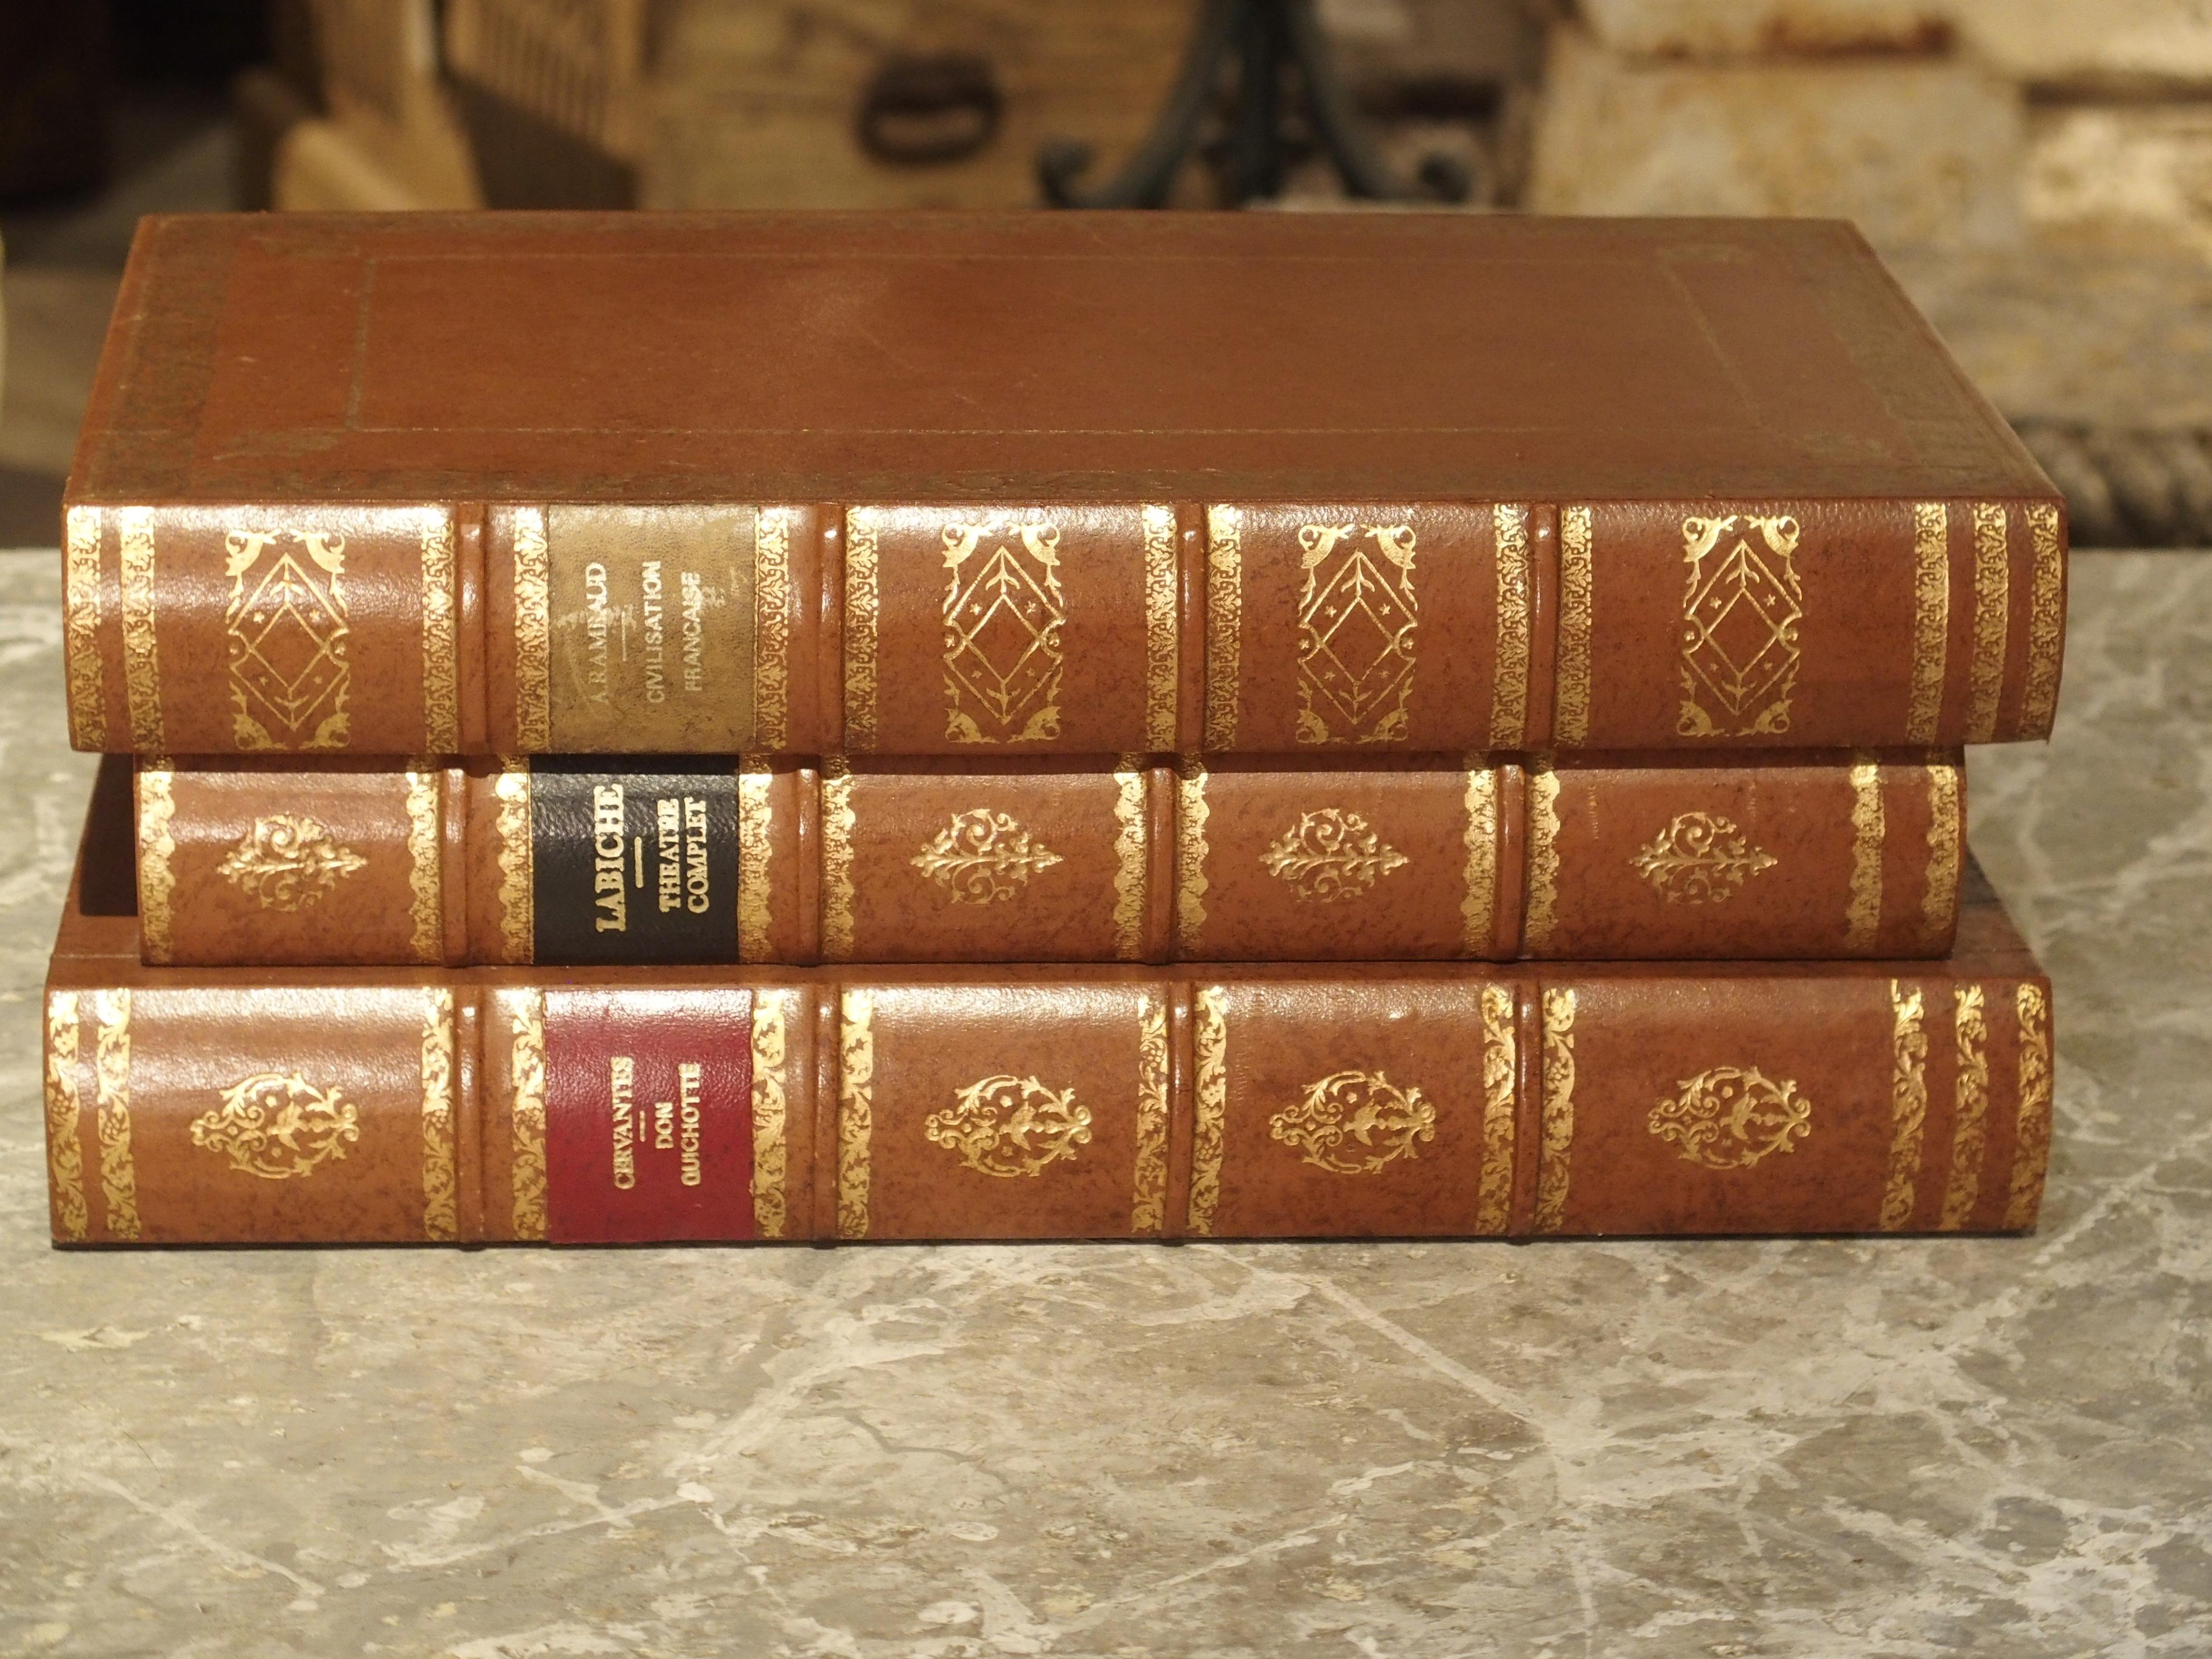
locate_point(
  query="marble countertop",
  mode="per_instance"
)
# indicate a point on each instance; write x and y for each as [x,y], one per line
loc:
[1818,1447]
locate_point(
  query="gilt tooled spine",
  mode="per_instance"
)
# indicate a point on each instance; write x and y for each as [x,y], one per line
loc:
[1107,1104]
[571,862]
[1331,631]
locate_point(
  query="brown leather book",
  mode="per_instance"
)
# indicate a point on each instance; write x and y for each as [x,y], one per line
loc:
[692,861]
[1018,484]
[410,1105]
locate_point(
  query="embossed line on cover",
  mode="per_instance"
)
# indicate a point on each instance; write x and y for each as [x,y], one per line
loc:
[1163,643]
[81,610]
[1148,1204]
[1931,619]
[2046,622]
[442,704]
[1969,1031]
[2031,1157]
[1543,912]
[517,898]
[1908,1101]
[1210,1106]
[1509,694]
[1225,622]
[1939,904]
[1992,610]
[65,1120]
[440,1224]
[862,603]
[157,849]
[755,846]
[772,1011]
[856,1078]
[1557,1115]
[533,633]
[425,848]
[1741,605]
[142,657]
[526,1077]
[771,628]
[1191,813]
[1359,630]
[1132,836]
[119,1170]
[1501,1069]
[1863,908]
[1577,609]
[286,631]
[837,897]
[1478,903]
[1005,617]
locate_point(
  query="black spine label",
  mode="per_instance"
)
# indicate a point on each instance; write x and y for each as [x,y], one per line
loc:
[634,867]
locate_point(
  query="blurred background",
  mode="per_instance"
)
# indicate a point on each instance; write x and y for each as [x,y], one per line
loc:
[2037,173]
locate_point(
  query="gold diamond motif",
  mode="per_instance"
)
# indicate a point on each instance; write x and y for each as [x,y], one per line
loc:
[1010,1127]
[1731,1116]
[1740,616]
[1355,1122]
[1700,858]
[1004,611]
[288,861]
[1331,855]
[1356,618]
[285,624]
[276,1124]
[982,856]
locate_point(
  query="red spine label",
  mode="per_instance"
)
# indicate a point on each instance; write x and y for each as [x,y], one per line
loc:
[648,1117]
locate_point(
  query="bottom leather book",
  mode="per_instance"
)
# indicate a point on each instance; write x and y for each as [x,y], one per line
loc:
[629,1105]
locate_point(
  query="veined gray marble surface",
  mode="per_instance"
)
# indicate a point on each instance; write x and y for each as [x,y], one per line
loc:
[1893,1448]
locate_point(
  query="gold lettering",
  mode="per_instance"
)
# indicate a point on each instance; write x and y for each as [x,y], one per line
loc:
[622,1075]
[687,1089]
[609,895]
[656,682]
[695,631]
[664,1125]
[596,620]
[668,865]
[695,855]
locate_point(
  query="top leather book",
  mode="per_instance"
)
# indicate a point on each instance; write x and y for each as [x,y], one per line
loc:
[1041,483]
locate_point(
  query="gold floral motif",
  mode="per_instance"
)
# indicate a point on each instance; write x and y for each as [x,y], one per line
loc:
[1558,1113]
[88,696]
[1741,610]
[118,1170]
[1191,813]
[756,846]
[1003,619]
[141,656]
[1863,910]
[533,633]
[1357,619]
[2031,1156]
[1701,858]
[287,633]
[1578,607]
[1331,855]
[157,848]
[1970,1030]
[441,708]
[1509,692]
[856,1078]
[440,1225]
[526,1077]
[1148,1206]
[1355,1123]
[1479,900]
[1992,608]
[1908,1101]
[1730,1117]
[288,861]
[771,628]
[1225,623]
[770,1151]
[1931,619]
[424,908]
[1543,914]
[837,822]
[1210,1106]
[1500,1079]
[1939,903]
[518,908]
[276,1125]
[2046,622]
[862,603]
[1010,1127]
[982,856]
[64,1118]
[1131,835]
[1161,645]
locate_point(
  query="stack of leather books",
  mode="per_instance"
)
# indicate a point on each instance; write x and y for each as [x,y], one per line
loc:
[843,728]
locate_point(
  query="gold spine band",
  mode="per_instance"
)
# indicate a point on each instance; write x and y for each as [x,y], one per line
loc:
[1543,913]
[1992,610]
[1971,1099]
[1132,838]
[441,705]
[1908,1102]
[1478,904]
[517,907]
[1148,1205]
[1863,910]
[1190,860]
[1555,1158]
[1225,623]
[2046,622]
[771,1012]
[157,849]
[1509,694]
[440,1222]
[1493,1209]
[65,1120]
[80,609]
[526,1076]
[142,657]
[533,633]
[118,1170]
[756,821]
[1162,634]
[862,603]
[425,862]
[2031,1157]
[856,1079]
[1946,835]
[1931,619]
[772,628]
[1577,600]
[837,861]
[1211,1037]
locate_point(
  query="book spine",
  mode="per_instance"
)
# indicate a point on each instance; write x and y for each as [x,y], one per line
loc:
[1111,1104]
[570,863]
[1327,628]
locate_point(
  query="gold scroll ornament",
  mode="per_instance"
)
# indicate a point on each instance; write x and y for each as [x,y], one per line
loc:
[1729,1117]
[1010,1127]
[286,629]
[276,1125]
[1330,856]
[1700,858]
[1355,1122]
[1740,608]
[1357,622]
[288,861]
[983,857]
[1004,615]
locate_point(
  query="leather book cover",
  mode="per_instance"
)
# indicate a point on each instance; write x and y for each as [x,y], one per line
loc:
[570,862]
[867,485]
[217,1105]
